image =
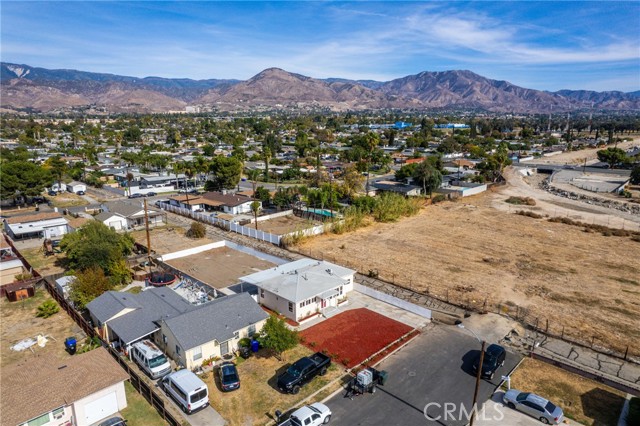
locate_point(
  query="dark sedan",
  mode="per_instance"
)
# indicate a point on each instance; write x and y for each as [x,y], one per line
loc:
[494,357]
[229,379]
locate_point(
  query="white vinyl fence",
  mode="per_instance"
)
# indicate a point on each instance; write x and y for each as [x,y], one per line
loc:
[231,226]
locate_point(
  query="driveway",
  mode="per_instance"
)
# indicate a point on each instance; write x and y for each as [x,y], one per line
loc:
[205,417]
[434,369]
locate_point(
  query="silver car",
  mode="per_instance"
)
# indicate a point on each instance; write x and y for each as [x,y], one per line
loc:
[534,405]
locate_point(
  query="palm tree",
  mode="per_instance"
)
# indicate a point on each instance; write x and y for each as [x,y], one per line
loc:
[253,177]
[266,156]
[129,179]
[255,208]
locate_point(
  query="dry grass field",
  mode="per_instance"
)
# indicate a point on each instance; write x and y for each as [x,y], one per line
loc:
[474,252]
[285,224]
[583,400]
[18,321]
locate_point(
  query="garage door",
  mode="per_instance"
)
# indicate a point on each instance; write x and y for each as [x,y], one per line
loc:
[101,408]
[116,224]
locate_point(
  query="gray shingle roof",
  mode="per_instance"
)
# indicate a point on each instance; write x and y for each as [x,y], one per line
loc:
[110,303]
[216,320]
[128,208]
[150,306]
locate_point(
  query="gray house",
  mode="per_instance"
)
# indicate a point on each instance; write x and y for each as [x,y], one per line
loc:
[187,333]
[129,214]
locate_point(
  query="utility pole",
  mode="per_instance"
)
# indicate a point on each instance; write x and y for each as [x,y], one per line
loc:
[146,224]
[475,393]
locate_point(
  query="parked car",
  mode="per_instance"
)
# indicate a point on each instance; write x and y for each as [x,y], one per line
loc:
[309,415]
[229,378]
[114,421]
[494,357]
[136,195]
[150,194]
[150,359]
[302,371]
[533,405]
[80,192]
[52,193]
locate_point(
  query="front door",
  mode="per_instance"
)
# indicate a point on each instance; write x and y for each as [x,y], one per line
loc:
[323,304]
[224,348]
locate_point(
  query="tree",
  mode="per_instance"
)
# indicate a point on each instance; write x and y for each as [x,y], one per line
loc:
[253,175]
[429,176]
[89,284]
[262,194]
[612,156]
[227,172]
[266,156]
[129,179]
[58,168]
[255,208]
[97,245]
[352,181]
[406,171]
[277,337]
[19,178]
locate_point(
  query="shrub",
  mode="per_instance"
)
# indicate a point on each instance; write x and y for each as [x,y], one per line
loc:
[245,342]
[521,201]
[197,230]
[438,198]
[47,309]
[529,214]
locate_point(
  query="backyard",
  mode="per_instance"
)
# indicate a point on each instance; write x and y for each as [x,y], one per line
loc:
[258,397]
[583,400]
[285,224]
[18,321]
[353,336]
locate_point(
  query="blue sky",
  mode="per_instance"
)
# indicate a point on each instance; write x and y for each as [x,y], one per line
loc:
[540,45]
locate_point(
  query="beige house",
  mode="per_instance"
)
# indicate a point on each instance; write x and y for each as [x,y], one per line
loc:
[211,330]
[80,390]
[302,288]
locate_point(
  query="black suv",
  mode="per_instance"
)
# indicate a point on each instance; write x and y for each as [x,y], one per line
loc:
[494,357]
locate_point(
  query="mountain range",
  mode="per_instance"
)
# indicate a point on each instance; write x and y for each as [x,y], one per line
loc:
[26,88]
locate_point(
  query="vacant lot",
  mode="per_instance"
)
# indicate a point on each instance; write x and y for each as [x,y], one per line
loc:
[220,267]
[18,321]
[68,199]
[258,398]
[583,400]
[285,224]
[353,336]
[168,239]
[470,252]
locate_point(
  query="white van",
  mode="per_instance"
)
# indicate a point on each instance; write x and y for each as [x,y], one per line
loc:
[187,390]
[151,359]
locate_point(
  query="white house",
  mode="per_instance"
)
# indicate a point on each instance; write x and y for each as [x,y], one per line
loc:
[129,214]
[113,220]
[76,186]
[79,390]
[37,225]
[302,288]
[216,201]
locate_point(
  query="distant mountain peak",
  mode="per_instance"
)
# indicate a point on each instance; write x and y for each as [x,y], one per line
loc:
[40,89]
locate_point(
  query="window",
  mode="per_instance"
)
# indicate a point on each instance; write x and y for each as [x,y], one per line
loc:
[164,339]
[42,420]
[290,307]
[236,335]
[340,290]
[262,293]
[177,350]
[59,413]
[197,353]
[252,330]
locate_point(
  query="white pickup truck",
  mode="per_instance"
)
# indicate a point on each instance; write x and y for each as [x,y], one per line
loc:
[309,415]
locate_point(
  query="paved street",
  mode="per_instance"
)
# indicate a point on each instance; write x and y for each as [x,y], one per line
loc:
[435,368]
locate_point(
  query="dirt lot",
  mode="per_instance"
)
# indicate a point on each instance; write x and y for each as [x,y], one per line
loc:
[220,267]
[168,239]
[578,157]
[471,252]
[19,321]
[285,224]
[585,401]
[354,335]
[45,265]
[258,398]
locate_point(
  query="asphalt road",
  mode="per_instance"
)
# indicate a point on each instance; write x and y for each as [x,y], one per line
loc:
[434,369]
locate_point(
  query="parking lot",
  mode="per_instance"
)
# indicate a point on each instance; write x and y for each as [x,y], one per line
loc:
[432,370]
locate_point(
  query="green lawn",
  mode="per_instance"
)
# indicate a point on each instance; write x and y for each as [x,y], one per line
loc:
[139,412]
